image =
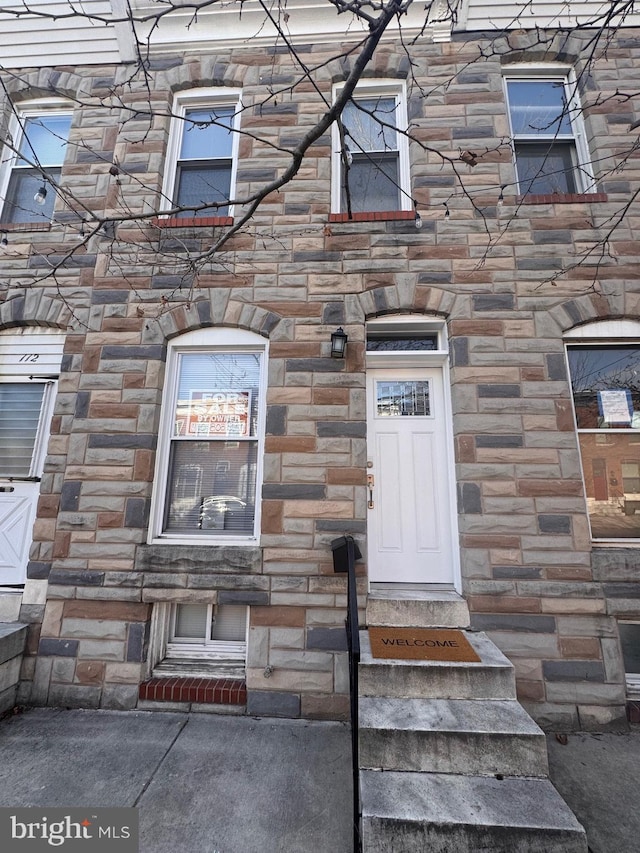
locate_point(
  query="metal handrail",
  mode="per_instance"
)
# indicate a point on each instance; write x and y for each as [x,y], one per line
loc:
[343,547]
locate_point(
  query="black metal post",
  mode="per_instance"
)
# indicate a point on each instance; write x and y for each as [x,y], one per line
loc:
[345,554]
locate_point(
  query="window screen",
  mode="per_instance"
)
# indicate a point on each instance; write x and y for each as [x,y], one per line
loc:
[205,161]
[372,183]
[203,623]
[543,136]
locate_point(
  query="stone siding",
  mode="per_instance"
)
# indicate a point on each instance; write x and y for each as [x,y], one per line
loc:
[529,572]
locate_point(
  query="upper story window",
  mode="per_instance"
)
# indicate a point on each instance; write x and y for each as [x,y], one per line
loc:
[34,164]
[208,472]
[549,145]
[605,382]
[376,175]
[203,145]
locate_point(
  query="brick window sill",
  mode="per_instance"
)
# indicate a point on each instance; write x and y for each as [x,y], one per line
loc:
[374,216]
[562,198]
[206,691]
[13,227]
[191,221]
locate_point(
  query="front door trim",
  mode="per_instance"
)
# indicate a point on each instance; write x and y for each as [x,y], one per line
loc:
[427,359]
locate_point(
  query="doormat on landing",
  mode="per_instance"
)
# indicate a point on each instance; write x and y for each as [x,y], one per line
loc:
[421,644]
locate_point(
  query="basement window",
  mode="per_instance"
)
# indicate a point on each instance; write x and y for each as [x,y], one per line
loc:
[630,642]
[199,639]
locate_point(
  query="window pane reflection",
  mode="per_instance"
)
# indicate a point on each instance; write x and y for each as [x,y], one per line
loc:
[606,386]
[611,470]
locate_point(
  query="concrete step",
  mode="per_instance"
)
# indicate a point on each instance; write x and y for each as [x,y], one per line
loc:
[451,736]
[13,637]
[415,812]
[417,608]
[490,678]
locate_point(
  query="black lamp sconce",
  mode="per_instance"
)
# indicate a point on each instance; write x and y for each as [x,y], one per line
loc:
[338,343]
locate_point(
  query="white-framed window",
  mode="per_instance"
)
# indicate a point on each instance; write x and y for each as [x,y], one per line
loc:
[604,367]
[208,631]
[376,175]
[198,638]
[202,153]
[547,131]
[39,133]
[210,447]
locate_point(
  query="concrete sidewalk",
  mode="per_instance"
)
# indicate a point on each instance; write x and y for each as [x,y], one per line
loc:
[230,784]
[201,782]
[599,777]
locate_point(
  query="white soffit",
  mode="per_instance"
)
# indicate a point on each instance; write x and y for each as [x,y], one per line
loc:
[528,14]
[246,23]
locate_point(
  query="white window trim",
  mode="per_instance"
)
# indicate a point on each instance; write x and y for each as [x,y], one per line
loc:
[418,324]
[21,112]
[189,100]
[600,333]
[585,180]
[204,340]
[369,89]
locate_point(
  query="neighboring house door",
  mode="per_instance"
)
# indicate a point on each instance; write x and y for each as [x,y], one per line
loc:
[600,488]
[410,489]
[29,368]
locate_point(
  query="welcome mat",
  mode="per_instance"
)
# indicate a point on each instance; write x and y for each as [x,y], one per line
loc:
[421,644]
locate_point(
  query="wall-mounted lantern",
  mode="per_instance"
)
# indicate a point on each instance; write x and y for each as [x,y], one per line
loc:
[338,343]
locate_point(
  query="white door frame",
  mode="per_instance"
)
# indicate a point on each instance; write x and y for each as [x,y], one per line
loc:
[428,359]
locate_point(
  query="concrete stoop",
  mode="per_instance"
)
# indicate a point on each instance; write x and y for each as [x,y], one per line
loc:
[13,636]
[450,762]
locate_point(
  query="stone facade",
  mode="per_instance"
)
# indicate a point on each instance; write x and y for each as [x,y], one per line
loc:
[530,574]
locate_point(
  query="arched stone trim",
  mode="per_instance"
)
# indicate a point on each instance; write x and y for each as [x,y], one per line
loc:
[34,308]
[209,72]
[531,46]
[387,65]
[216,309]
[403,299]
[46,83]
[589,308]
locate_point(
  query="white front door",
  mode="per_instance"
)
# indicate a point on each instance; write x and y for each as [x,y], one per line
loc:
[410,489]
